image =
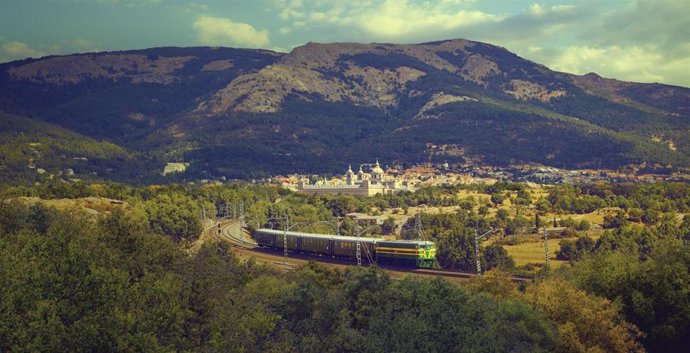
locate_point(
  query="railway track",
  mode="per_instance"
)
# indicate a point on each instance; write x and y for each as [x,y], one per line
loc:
[230,232]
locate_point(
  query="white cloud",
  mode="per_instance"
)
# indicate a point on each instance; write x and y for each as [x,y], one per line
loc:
[17,50]
[639,40]
[222,31]
[195,6]
[394,19]
[536,10]
[404,20]
[562,8]
[630,63]
[77,45]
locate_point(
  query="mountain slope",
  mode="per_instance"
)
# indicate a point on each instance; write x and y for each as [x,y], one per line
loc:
[244,113]
[121,96]
[30,149]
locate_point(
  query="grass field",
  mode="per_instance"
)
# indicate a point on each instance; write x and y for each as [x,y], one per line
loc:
[533,252]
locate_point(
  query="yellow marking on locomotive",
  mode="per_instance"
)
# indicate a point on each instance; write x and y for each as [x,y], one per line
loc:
[397,249]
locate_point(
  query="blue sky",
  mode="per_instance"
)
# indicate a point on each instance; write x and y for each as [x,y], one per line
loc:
[635,40]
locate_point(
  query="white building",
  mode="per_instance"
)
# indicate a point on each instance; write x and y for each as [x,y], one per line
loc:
[362,184]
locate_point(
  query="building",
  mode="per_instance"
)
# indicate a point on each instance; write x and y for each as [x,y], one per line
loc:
[359,184]
[365,220]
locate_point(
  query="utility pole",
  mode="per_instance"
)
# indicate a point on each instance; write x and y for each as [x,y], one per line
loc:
[285,242]
[476,248]
[546,249]
[476,252]
[358,242]
[359,251]
[418,226]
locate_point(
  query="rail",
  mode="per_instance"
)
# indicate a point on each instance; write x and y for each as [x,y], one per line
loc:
[226,235]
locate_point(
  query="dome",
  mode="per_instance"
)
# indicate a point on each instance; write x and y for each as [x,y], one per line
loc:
[377,168]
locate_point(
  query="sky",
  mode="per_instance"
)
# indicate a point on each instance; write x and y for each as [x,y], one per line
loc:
[632,40]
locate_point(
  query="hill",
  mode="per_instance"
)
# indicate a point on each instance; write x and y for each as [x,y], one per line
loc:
[245,113]
[30,149]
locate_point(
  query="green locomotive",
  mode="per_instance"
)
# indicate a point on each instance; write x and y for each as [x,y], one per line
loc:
[408,253]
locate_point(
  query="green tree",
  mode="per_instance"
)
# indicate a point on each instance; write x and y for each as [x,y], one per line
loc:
[176,215]
[586,323]
[388,226]
[497,199]
[497,257]
[654,294]
[456,250]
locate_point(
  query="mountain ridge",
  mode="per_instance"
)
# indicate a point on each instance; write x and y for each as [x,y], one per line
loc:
[244,113]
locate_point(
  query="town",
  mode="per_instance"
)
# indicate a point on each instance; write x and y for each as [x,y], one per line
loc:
[373,179]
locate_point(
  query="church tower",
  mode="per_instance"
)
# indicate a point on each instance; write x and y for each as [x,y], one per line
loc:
[350,176]
[377,172]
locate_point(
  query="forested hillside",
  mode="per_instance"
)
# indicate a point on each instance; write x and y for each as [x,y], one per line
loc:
[248,113]
[31,148]
[126,275]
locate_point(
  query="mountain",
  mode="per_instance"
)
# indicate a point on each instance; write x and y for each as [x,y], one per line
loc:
[29,147]
[245,113]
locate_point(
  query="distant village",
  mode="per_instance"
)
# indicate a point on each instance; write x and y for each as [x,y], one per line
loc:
[372,178]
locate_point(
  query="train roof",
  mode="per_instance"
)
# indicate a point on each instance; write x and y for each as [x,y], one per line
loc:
[347,238]
[406,242]
[320,236]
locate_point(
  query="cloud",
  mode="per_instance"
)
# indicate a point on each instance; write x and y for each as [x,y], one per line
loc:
[630,63]
[640,40]
[222,31]
[397,20]
[661,22]
[77,45]
[17,50]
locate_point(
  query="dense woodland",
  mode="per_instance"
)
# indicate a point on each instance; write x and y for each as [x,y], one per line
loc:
[123,279]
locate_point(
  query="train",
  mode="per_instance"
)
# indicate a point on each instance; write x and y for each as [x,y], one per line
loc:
[406,253]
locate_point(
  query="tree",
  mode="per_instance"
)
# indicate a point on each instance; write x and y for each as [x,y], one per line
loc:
[617,220]
[654,294]
[635,214]
[650,216]
[586,323]
[340,205]
[388,226]
[567,250]
[497,257]
[497,199]
[348,226]
[456,251]
[575,250]
[176,215]
[543,205]
[583,226]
